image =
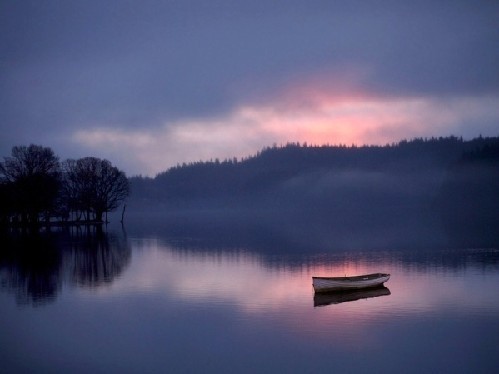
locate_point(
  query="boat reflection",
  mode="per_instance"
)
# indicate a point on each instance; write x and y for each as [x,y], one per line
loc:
[338,297]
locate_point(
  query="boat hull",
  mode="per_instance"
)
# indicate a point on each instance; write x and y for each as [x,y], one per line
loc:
[331,284]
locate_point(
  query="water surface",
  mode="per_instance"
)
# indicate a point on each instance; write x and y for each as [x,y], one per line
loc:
[112,301]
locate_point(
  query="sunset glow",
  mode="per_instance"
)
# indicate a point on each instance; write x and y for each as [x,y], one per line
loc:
[150,92]
[318,120]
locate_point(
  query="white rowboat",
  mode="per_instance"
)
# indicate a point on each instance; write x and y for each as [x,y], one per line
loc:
[328,284]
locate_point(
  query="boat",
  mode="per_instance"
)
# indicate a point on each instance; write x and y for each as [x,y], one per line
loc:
[329,284]
[338,297]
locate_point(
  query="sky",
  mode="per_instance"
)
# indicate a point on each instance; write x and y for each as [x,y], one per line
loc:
[150,84]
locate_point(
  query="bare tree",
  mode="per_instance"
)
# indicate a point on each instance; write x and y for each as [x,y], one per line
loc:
[94,186]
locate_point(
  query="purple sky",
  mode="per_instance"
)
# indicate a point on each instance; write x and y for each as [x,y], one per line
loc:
[149,84]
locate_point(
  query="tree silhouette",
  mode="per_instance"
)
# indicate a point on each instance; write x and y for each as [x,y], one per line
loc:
[93,186]
[31,177]
[7,207]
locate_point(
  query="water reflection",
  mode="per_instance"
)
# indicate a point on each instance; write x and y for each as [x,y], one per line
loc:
[291,233]
[282,243]
[257,283]
[181,297]
[323,299]
[35,267]
[96,259]
[30,268]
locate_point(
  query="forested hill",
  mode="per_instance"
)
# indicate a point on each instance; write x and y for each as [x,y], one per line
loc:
[413,193]
[291,165]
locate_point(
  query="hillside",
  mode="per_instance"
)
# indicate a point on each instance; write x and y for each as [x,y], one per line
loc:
[407,188]
[285,167]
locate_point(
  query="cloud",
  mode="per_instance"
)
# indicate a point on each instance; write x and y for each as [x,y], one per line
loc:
[320,119]
[151,67]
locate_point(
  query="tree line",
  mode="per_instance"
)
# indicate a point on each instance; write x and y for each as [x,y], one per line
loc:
[275,166]
[429,191]
[36,187]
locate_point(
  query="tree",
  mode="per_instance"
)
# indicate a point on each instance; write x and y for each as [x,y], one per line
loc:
[93,185]
[32,175]
[7,208]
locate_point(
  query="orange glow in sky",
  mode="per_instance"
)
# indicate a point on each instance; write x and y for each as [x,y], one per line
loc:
[298,115]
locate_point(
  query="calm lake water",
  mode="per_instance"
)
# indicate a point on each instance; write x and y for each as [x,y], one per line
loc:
[134,302]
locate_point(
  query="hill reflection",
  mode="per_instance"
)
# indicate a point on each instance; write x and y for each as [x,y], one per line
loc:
[281,244]
[35,267]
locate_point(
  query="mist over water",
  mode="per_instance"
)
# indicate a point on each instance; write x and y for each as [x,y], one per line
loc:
[203,279]
[346,212]
[438,192]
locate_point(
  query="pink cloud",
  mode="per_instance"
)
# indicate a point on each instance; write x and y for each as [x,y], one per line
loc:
[334,110]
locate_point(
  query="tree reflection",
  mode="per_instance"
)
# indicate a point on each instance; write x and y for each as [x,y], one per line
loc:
[30,267]
[34,267]
[96,258]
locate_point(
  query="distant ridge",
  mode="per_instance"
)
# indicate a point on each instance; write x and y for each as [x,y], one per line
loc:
[418,192]
[280,164]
